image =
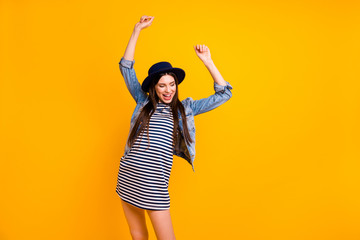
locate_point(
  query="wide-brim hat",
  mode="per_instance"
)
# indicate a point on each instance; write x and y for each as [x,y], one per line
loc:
[158,68]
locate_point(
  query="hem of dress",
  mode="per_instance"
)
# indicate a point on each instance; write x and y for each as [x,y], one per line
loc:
[135,205]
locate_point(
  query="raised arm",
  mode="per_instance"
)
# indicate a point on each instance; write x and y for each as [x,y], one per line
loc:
[126,63]
[222,88]
[203,53]
[145,21]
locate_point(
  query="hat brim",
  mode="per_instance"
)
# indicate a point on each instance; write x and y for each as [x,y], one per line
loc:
[180,74]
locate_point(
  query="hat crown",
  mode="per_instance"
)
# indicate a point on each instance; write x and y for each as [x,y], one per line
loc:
[160,66]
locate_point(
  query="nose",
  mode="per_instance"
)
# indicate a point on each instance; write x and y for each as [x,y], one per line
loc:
[168,89]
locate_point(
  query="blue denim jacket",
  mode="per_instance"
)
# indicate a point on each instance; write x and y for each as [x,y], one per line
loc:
[192,108]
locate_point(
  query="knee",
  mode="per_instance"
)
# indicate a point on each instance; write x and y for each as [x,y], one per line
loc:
[139,235]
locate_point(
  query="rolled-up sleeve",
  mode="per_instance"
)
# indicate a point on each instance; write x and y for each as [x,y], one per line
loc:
[127,63]
[222,94]
[221,88]
[131,81]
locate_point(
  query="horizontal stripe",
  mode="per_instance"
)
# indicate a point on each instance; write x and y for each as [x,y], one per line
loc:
[141,171]
[146,206]
[146,197]
[144,173]
[142,200]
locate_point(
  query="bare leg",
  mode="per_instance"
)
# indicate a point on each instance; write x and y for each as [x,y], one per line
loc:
[136,220]
[161,221]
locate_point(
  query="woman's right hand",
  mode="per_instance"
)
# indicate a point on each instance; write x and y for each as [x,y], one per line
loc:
[145,21]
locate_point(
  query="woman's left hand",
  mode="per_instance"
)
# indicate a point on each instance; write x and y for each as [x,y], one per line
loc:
[203,52]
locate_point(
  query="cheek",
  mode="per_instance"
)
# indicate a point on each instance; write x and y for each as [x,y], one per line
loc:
[158,91]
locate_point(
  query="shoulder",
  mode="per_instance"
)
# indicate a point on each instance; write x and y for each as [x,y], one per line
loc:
[188,104]
[187,101]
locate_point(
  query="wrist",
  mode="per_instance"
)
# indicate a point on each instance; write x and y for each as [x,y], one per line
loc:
[208,62]
[136,30]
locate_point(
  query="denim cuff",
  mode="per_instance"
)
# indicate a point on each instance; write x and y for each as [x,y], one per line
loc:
[126,63]
[220,88]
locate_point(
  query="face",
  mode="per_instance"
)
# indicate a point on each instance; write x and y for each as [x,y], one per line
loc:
[166,88]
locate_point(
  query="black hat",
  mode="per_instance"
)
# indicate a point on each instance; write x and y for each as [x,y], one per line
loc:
[161,67]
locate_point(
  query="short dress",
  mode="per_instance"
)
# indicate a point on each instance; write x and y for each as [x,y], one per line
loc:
[144,173]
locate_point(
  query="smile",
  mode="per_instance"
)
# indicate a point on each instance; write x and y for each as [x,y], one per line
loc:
[167,97]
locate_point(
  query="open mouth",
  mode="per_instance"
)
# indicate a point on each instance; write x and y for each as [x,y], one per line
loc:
[167,97]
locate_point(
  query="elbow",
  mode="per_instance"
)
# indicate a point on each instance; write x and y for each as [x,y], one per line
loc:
[224,90]
[227,95]
[230,94]
[223,96]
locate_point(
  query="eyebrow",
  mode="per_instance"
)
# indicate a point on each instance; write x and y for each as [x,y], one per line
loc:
[169,83]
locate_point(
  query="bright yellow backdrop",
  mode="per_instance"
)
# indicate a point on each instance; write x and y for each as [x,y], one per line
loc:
[279,161]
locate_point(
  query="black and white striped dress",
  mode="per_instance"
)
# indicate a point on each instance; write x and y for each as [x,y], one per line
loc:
[144,174]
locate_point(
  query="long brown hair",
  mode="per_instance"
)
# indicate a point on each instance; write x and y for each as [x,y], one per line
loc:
[143,119]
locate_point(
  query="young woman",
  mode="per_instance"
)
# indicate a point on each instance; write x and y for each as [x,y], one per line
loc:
[161,126]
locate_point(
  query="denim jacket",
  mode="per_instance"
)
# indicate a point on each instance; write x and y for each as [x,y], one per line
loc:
[192,108]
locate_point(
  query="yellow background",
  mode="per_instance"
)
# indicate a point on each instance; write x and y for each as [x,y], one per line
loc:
[280,160]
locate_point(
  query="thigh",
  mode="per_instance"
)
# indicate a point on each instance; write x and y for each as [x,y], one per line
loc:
[135,218]
[161,221]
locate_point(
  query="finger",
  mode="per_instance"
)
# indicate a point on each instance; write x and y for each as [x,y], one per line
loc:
[202,48]
[145,18]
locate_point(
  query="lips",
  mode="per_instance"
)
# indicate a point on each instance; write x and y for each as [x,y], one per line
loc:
[167,97]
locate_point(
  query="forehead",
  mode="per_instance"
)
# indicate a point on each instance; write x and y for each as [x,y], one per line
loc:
[166,79]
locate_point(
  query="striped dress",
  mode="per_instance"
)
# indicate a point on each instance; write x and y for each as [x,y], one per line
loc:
[144,173]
